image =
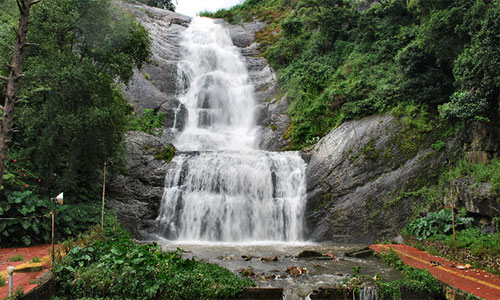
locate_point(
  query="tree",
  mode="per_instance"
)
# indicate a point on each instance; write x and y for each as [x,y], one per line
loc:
[165,4]
[13,81]
[71,116]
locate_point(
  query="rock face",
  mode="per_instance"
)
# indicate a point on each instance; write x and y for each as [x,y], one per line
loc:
[137,195]
[157,85]
[355,180]
[477,198]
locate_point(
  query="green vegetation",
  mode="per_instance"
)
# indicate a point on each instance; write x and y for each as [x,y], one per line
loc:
[35,259]
[338,62]
[79,54]
[2,281]
[473,239]
[165,4]
[435,223]
[108,265]
[30,219]
[18,257]
[166,154]
[415,280]
[148,121]
[481,172]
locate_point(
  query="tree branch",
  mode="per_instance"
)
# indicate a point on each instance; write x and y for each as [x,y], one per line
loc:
[19,5]
[32,44]
[35,2]
[3,78]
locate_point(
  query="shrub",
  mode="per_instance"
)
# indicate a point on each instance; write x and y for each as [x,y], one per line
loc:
[29,222]
[148,121]
[435,223]
[167,153]
[414,279]
[109,265]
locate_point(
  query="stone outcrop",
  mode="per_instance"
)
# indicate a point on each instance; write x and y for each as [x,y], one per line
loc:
[357,180]
[477,198]
[157,85]
[136,196]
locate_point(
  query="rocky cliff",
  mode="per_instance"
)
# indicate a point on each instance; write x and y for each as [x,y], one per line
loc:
[360,181]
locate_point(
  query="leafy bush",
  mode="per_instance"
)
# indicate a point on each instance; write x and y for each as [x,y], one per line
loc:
[2,281]
[435,223]
[414,279]
[167,153]
[147,121]
[109,265]
[30,223]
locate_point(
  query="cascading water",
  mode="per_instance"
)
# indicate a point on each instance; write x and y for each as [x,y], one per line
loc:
[221,187]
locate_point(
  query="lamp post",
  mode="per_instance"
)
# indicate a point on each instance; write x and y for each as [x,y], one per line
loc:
[56,200]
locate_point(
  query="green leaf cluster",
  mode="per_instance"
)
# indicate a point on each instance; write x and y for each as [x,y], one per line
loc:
[147,121]
[28,221]
[108,265]
[435,223]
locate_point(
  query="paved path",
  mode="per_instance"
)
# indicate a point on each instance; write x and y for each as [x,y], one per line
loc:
[26,272]
[477,282]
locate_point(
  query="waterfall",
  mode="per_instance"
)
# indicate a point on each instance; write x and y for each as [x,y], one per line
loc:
[368,293]
[220,187]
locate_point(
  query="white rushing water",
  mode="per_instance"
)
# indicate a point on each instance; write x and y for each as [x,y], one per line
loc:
[220,187]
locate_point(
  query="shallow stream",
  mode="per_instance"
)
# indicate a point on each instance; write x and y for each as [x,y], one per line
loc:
[320,272]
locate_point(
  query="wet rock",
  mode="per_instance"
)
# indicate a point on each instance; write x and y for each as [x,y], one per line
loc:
[296,271]
[269,258]
[360,253]
[136,196]
[248,272]
[309,253]
[477,198]
[355,178]
[246,257]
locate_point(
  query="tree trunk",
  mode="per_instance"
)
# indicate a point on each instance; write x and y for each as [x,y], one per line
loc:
[13,82]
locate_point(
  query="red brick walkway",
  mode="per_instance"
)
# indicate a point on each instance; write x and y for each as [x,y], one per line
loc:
[23,275]
[477,282]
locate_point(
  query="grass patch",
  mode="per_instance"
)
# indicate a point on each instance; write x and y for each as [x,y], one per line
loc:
[481,172]
[18,257]
[35,259]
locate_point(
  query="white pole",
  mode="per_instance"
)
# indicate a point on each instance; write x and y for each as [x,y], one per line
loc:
[10,270]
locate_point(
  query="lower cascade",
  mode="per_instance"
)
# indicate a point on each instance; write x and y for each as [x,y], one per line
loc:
[219,187]
[234,196]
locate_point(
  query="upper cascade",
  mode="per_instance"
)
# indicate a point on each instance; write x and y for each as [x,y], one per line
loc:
[219,96]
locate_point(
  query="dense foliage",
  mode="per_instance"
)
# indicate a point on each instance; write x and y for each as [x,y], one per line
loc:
[415,280]
[72,115]
[29,221]
[436,223]
[108,265]
[339,60]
